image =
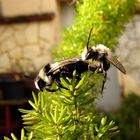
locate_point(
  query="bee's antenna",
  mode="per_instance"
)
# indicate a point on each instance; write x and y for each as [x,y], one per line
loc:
[29,77]
[89,37]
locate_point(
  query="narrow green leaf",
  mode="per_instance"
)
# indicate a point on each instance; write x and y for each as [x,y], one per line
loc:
[29,118]
[68,100]
[22,134]
[33,105]
[100,134]
[103,121]
[96,128]
[114,129]
[27,111]
[55,114]
[111,123]
[80,83]
[42,102]
[31,122]
[73,81]
[35,98]
[88,101]
[65,120]
[84,88]
[62,114]
[39,98]
[52,115]
[30,136]
[65,92]
[64,83]
[49,130]
[65,102]
[48,116]
[66,80]
[13,136]
[29,115]
[6,138]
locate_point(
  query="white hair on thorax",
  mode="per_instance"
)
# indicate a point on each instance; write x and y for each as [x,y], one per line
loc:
[102,49]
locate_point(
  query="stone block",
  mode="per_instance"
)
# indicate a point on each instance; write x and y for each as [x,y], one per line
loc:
[5,32]
[31,32]
[20,37]
[16,53]
[8,45]
[47,32]
[5,62]
[27,65]
[41,61]
[31,51]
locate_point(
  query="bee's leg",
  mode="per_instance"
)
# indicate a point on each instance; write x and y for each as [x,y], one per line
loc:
[66,74]
[94,68]
[106,65]
[78,77]
[61,86]
[104,80]
[51,90]
[69,74]
[58,84]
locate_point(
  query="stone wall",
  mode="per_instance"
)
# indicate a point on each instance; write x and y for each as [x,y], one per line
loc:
[129,52]
[25,47]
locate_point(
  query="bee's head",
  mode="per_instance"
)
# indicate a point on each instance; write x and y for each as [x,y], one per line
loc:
[40,83]
[95,53]
[42,80]
[90,53]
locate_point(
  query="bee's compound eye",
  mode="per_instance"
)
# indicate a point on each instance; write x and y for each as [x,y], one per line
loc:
[40,84]
[92,54]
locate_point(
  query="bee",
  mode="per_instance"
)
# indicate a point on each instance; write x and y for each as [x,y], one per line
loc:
[100,58]
[95,59]
[51,73]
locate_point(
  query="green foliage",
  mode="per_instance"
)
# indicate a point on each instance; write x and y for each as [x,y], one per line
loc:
[67,115]
[127,118]
[107,18]
[23,137]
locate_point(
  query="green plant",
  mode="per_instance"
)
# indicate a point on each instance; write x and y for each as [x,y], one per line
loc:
[70,114]
[127,118]
[66,114]
[107,17]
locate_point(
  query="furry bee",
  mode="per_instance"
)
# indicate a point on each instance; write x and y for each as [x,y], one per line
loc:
[100,58]
[51,73]
[95,59]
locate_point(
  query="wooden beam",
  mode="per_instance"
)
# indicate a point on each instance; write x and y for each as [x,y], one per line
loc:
[25,19]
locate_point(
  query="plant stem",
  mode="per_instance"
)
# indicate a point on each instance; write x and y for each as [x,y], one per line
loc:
[58,133]
[76,107]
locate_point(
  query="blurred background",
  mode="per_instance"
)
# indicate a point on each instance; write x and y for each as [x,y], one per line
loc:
[28,31]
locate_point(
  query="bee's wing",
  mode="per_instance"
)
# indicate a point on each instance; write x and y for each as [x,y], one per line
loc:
[116,63]
[58,65]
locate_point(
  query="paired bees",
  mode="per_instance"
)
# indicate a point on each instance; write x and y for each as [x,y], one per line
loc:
[96,59]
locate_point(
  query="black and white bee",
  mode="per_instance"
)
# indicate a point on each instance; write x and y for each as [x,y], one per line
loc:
[99,58]
[96,59]
[51,73]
